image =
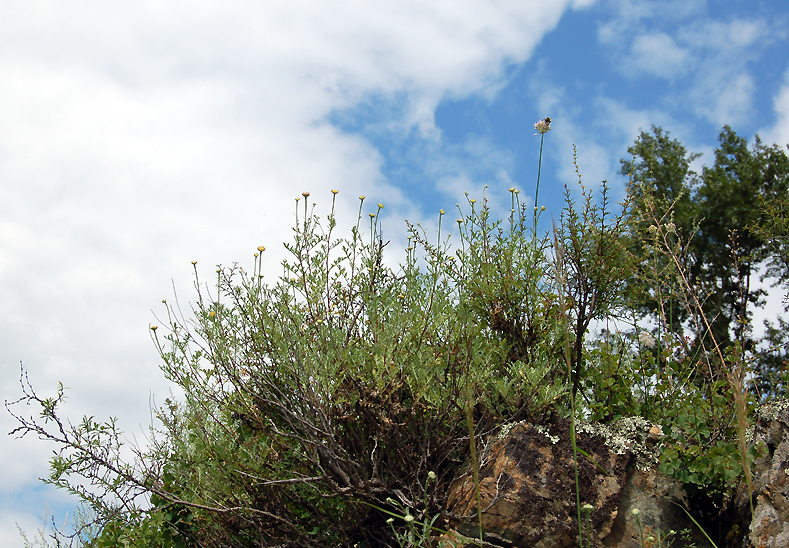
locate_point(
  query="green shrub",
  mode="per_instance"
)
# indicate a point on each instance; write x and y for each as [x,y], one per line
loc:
[317,405]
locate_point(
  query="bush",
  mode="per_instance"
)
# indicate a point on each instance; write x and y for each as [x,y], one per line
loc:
[317,407]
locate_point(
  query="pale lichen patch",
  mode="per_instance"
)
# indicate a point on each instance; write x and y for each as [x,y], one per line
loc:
[634,434]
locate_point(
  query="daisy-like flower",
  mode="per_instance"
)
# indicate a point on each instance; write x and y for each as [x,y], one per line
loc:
[543,126]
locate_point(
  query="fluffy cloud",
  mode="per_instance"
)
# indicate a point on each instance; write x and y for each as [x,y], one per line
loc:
[706,62]
[779,132]
[659,54]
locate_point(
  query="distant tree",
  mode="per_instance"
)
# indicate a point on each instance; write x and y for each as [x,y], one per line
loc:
[660,175]
[729,245]
[725,220]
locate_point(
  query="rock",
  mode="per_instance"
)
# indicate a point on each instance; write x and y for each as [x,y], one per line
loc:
[654,496]
[770,524]
[528,496]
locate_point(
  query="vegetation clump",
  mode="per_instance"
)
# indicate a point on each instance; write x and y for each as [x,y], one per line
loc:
[334,406]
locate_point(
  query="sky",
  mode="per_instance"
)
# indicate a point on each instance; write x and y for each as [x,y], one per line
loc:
[137,137]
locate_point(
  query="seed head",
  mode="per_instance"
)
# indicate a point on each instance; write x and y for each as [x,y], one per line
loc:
[646,339]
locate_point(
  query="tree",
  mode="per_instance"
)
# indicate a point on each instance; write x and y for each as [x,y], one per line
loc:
[720,219]
[660,179]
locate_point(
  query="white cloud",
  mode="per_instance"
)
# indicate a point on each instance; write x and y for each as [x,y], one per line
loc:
[779,132]
[705,60]
[724,98]
[629,17]
[659,54]
[717,36]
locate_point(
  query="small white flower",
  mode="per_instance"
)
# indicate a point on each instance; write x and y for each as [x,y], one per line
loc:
[635,511]
[646,339]
[543,126]
[408,518]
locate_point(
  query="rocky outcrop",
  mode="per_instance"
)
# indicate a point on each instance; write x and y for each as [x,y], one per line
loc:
[528,497]
[770,524]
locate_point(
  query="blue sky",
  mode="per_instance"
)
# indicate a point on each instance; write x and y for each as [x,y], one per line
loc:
[136,138]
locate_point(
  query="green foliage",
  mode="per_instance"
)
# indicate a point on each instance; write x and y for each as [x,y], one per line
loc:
[725,221]
[347,392]
[660,185]
[772,365]
[595,263]
[701,443]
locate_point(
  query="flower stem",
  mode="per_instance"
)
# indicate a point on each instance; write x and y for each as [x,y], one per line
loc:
[537,192]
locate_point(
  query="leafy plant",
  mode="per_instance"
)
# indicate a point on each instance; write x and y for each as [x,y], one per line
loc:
[346,392]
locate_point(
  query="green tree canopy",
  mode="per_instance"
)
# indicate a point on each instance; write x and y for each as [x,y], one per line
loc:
[725,221]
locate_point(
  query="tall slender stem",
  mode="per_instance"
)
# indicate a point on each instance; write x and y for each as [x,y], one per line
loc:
[537,192]
[560,280]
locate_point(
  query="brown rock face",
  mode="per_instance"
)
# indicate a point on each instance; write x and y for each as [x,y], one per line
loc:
[770,525]
[528,494]
[527,484]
